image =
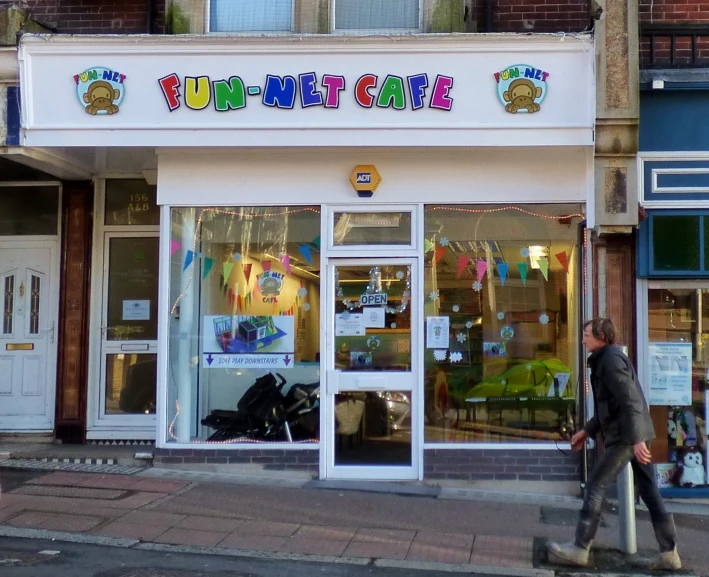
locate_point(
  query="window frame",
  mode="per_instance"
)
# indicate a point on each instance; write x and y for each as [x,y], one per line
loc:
[373,31]
[208,24]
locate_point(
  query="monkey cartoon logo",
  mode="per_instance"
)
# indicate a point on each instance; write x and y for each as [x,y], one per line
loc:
[100,90]
[521,88]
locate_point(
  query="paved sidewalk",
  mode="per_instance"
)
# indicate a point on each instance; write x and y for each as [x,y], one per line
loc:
[309,521]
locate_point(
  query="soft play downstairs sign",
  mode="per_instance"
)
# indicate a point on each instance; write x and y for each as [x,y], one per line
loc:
[431,92]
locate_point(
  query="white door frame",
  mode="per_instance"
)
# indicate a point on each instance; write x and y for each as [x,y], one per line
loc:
[99,426]
[51,243]
[327,420]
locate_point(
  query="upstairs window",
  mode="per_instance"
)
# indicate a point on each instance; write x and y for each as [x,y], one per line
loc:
[251,15]
[377,15]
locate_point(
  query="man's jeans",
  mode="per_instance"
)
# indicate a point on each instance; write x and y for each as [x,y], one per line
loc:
[612,462]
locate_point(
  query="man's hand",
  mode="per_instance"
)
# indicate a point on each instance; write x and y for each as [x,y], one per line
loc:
[642,453]
[578,440]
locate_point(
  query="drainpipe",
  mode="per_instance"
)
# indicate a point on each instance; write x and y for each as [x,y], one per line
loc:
[489,15]
[150,11]
[582,399]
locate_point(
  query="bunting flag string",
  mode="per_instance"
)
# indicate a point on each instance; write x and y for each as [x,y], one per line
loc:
[247,272]
[304,250]
[427,245]
[174,246]
[523,268]
[226,271]
[502,269]
[481,268]
[285,260]
[207,267]
[463,262]
[266,264]
[544,267]
[189,257]
[316,241]
[563,260]
[440,253]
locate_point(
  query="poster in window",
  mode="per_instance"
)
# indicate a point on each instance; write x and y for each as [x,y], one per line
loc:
[670,374]
[437,333]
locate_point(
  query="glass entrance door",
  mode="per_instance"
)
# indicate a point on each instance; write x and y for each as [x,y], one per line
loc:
[129,329]
[372,379]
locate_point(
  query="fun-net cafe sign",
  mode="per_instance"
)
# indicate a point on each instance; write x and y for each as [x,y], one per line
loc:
[415,92]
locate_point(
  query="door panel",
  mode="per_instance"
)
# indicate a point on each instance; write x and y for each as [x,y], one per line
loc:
[372,384]
[129,331]
[26,337]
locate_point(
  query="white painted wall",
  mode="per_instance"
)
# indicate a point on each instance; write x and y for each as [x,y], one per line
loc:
[314,176]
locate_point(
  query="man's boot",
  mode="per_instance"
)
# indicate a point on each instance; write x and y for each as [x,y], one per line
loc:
[668,558]
[568,554]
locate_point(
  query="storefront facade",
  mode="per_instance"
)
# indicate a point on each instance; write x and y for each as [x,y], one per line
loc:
[391,230]
[673,284]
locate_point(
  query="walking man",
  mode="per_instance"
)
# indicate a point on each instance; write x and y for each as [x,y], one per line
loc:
[623,419]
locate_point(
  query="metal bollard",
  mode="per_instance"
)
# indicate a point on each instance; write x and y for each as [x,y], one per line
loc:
[626,511]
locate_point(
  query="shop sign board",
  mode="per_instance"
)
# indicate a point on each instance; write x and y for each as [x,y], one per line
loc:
[670,374]
[439,92]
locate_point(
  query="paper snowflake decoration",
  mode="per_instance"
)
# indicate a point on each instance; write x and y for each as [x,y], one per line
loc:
[236,256]
[400,274]
[302,292]
[456,308]
[433,296]
[345,315]
[544,319]
[500,316]
[443,241]
[529,367]
[393,325]
[456,357]
[477,286]
[461,337]
[440,354]
[503,382]
[306,307]
[525,252]
[469,325]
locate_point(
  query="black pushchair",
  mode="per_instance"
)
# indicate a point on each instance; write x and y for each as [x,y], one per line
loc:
[264,413]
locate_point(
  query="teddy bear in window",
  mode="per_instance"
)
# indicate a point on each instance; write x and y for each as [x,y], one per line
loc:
[691,472]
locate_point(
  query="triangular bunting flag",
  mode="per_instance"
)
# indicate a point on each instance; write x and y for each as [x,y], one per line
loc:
[316,242]
[304,249]
[266,264]
[544,267]
[247,272]
[208,264]
[285,259]
[226,271]
[463,261]
[523,267]
[482,268]
[174,246]
[563,260]
[189,257]
[427,245]
[440,253]
[502,268]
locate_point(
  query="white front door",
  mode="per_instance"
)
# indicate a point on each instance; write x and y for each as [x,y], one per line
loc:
[372,383]
[27,336]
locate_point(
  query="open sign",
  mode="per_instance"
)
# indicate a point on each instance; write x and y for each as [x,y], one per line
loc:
[373,299]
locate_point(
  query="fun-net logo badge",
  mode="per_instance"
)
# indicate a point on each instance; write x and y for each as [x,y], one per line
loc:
[100,90]
[521,88]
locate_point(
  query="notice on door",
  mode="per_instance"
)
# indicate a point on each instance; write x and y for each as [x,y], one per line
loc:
[136,310]
[670,374]
[349,325]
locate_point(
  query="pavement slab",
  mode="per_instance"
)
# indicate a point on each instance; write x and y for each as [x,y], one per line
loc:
[331,533]
[503,551]
[314,546]
[123,530]
[201,523]
[179,536]
[73,523]
[253,542]
[438,553]
[267,528]
[378,549]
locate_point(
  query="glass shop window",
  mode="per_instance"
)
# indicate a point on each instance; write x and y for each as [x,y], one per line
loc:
[501,327]
[131,202]
[678,363]
[29,210]
[244,343]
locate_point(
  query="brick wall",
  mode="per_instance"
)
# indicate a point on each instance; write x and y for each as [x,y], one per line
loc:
[453,464]
[660,12]
[541,16]
[97,16]
[269,459]
[500,465]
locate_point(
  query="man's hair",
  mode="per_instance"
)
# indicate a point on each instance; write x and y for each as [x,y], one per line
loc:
[603,329]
